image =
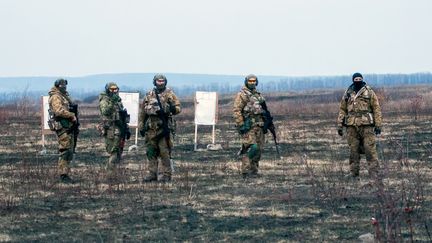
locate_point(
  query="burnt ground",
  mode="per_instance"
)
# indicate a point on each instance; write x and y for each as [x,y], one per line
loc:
[304,196]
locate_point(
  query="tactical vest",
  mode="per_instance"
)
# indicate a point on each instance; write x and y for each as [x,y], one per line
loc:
[56,123]
[151,108]
[253,109]
[359,110]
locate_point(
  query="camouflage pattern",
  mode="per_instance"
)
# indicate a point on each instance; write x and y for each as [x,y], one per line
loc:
[151,124]
[362,135]
[59,104]
[361,109]
[247,108]
[110,107]
[360,112]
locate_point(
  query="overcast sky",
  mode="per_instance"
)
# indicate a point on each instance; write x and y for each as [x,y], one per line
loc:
[266,37]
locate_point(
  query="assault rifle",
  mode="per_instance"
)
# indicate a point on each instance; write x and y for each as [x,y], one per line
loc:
[125,119]
[75,126]
[163,117]
[269,126]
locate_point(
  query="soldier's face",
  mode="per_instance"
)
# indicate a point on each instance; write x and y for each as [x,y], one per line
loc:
[251,83]
[160,83]
[114,89]
[358,79]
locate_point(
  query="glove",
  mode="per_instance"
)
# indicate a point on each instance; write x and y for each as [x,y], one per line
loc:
[142,132]
[377,130]
[128,135]
[172,108]
[340,131]
[243,128]
[116,98]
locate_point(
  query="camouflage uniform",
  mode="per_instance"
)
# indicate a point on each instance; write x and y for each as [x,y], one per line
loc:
[248,113]
[151,126]
[113,128]
[59,103]
[360,112]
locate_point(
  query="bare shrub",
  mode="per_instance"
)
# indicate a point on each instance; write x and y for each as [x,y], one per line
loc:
[383,97]
[416,104]
[401,200]
[4,115]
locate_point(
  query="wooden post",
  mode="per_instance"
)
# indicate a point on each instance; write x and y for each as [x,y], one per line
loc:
[196,137]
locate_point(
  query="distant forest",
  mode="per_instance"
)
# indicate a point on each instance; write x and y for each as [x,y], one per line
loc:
[232,84]
[297,84]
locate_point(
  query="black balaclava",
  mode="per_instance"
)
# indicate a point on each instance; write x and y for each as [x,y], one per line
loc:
[359,84]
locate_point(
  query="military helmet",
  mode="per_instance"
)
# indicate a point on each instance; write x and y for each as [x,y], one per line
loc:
[251,76]
[109,85]
[159,76]
[60,81]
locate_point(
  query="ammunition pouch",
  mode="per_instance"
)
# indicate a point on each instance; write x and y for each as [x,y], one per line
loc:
[54,125]
[102,128]
[360,119]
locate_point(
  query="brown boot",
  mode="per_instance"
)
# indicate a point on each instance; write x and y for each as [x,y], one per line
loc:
[64,178]
[165,178]
[150,178]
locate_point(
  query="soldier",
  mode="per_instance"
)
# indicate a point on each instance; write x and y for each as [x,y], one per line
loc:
[63,123]
[157,125]
[249,114]
[114,125]
[360,112]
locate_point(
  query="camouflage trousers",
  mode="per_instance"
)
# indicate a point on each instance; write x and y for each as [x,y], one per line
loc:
[358,138]
[252,147]
[114,144]
[66,146]
[158,147]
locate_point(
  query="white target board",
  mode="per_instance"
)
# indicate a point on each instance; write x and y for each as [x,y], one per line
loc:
[45,115]
[131,103]
[206,108]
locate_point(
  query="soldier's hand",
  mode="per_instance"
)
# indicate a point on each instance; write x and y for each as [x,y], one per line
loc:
[340,131]
[74,119]
[142,132]
[377,130]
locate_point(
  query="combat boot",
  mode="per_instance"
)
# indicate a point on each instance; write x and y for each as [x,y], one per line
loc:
[252,174]
[165,178]
[64,178]
[150,178]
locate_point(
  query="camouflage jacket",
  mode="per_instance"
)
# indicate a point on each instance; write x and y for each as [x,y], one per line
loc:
[359,109]
[59,104]
[247,104]
[149,117]
[110,108]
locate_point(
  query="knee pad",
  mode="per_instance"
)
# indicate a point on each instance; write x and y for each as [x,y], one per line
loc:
[253,151]
[151,152]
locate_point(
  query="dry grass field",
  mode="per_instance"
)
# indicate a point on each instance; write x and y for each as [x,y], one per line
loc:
[302,197]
